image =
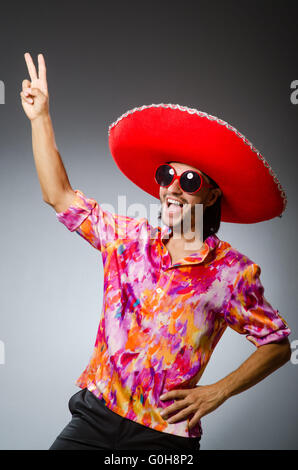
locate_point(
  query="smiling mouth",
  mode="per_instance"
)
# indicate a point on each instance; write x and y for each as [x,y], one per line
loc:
[173,203]
[173,208]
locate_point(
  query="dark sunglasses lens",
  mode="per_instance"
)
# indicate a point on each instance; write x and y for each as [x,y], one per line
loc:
[190,181]
[164,175]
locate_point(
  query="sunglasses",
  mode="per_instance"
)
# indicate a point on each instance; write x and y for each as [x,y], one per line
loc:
[190,181]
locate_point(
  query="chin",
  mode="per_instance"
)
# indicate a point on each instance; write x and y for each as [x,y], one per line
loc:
[171,221]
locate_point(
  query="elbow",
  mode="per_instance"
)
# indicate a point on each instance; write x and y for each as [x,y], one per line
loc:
[286,350]
[281,351]
[288,353]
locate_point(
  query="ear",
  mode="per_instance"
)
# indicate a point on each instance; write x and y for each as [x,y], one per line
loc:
[212,196]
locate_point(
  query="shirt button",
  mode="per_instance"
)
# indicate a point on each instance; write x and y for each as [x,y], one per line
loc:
[158,290]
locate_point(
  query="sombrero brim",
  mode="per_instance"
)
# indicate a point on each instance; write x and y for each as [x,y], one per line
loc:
[147,136]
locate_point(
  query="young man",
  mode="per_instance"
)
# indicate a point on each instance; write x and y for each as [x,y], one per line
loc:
[166,301]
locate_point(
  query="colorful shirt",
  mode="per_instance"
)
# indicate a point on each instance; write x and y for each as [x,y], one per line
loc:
[160,322]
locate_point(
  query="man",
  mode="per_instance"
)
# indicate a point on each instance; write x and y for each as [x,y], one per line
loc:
[165,305]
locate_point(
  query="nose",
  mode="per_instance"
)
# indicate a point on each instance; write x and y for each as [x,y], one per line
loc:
[175,186]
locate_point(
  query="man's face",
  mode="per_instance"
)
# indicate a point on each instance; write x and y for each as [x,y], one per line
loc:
[172,214]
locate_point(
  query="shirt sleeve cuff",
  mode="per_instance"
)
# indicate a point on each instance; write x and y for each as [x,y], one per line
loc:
[278,335]
[77,212]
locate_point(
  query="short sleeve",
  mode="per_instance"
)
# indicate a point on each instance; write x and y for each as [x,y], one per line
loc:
[249,313]
[99,227]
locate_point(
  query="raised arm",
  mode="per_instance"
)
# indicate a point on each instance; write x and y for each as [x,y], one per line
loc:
[53,179]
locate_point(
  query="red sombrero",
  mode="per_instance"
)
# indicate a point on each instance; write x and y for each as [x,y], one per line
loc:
[147,136]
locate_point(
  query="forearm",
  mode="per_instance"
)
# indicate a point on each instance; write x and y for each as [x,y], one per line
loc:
[51,173]
[262,362]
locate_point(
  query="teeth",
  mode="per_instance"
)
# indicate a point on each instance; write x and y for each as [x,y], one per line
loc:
[173,201]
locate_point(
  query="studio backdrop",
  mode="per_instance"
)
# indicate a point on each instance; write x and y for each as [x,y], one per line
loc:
[233,60]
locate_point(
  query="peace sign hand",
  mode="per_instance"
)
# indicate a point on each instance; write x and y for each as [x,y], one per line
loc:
[34,94]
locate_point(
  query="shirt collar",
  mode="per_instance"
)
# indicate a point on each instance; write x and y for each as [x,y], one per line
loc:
[207,247]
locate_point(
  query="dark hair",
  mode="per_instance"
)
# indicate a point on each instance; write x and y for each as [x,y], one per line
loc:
[212,214]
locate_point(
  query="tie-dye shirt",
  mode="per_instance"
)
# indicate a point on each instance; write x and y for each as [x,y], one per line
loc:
[160,322]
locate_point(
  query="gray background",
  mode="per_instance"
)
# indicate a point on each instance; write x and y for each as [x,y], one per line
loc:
[235,60]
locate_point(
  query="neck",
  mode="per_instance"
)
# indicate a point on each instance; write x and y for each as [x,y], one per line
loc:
[185,240]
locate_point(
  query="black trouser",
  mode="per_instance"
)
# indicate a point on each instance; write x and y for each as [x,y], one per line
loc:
[95,427]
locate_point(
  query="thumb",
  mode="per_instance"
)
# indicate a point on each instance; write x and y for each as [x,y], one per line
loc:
[34,91]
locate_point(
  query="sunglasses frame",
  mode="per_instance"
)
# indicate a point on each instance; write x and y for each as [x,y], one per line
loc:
[175,176]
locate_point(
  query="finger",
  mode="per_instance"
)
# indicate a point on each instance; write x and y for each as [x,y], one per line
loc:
[172,409]
[26,84]
[30,66]
[42,71]
[32,91]
[195,419]
[26,98]
[174,394]
[181,416]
